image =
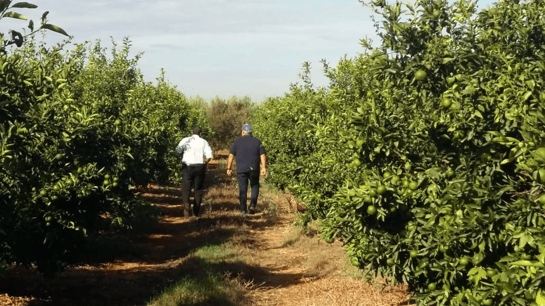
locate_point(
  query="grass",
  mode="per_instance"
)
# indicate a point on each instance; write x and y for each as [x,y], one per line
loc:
[209,279]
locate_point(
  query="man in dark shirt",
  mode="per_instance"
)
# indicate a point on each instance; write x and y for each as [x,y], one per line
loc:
[248,151]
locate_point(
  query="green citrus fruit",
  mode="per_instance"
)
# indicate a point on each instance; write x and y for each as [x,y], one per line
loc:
[117,122]
[390,261]
[442,248]
[436,14]
[107,176]
[451,80]
[116,179]
[486,157]
[56,188]
[450,172]
[387,174]
[413,253]
[487,302]
[539,176]
[371,210]
[432,286]
[381,189]
[420,75]
[367,199]
[464,261]
[80,170]
[490,273]
[405,183]
[372,192]
[43,193]
[357,162]
[446,103]
[114,184]
[455,107]
[106,183]
[542,199]
[459,213]
[413,185]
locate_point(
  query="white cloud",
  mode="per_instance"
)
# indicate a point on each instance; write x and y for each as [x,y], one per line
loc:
[217,47]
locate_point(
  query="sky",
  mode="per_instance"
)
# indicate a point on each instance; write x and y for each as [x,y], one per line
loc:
[221,48]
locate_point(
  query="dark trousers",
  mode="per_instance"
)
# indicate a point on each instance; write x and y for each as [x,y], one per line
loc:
[193,177]
[243,178]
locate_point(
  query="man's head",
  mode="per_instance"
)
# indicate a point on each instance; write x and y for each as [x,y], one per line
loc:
[197,130]
[246,129]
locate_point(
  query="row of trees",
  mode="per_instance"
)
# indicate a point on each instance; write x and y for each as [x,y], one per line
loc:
[426,155]
[78,129]
[226,117]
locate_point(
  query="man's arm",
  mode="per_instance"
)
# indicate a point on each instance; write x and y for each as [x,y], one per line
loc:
[208,154]
[263,158]
[180,148]
[230,161]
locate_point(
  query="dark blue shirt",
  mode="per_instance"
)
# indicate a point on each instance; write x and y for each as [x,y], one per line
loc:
[247,150]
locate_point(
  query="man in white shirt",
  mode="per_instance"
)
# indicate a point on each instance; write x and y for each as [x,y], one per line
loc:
[196,154]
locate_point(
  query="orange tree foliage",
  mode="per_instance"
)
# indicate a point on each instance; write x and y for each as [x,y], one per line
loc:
[426,154]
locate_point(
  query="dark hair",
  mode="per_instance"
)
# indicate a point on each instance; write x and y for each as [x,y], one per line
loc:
[197,130]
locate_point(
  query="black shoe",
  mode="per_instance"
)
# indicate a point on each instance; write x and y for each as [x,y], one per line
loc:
[254,210]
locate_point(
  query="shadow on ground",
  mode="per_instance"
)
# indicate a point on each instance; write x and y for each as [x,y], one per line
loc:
[131,269]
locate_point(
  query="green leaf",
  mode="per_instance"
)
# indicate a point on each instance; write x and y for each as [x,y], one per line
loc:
[540,300]
[4,4]
[524,240]
[541,258]
[25,5]
[54,28]
[15,15]
[526,96]
[527,263]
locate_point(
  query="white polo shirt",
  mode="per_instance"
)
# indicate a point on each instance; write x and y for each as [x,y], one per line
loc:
[194,149]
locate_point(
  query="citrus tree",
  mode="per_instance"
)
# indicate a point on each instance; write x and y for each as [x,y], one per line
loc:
[78,129]
[442,184]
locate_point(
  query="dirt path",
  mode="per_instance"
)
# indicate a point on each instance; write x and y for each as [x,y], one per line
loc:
[282,267]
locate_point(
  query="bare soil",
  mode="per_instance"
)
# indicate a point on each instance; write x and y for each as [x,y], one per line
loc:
[281,266]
